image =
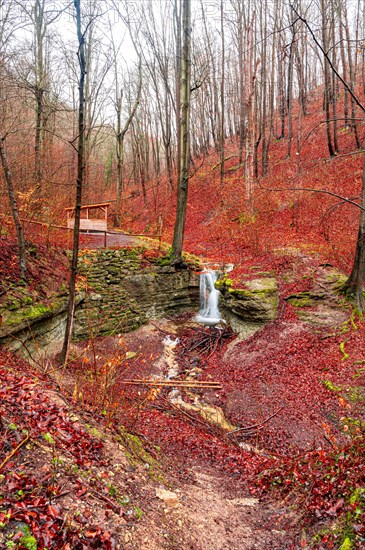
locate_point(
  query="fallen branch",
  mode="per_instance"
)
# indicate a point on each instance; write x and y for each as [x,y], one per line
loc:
[256,426]
[116,509]
[181,410]
[160,329]
[173,383]
[14,451]
[224,160]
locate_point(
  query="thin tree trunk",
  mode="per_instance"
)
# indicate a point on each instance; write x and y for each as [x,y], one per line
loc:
[178,239]
[281,84]
[79,185]
[222,132]
[327,80]
[121,133]
[14,209]
[334,81]
[290,91]
[344,67]
[241,92]
[264,84]
[39,90]
[354,284]
[352,81]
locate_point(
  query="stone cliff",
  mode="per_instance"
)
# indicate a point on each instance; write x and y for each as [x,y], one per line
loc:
[118,290]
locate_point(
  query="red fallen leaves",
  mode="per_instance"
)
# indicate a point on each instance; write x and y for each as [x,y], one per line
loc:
[29,497]
[216,225]
[39,416]
[290,369]
[47,267]
[191,441]
[325,481]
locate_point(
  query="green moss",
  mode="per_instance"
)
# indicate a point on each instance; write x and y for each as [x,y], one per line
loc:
[262,285]
[300,302]
[355,394]
[246,219]
[95,432]
[332,387]
[357,495]
[136,453]
[256,287]
[164,260]
[347,544]
[342,350]
[29,542]
[357,502]
[28,314]
[224,282]
[239,292]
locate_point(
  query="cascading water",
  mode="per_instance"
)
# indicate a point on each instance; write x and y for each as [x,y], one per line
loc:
[209,298]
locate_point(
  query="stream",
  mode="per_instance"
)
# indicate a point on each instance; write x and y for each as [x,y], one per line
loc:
[208,316]
[209,413]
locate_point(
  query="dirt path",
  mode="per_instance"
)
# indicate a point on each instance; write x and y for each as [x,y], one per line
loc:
[217,518]
[97,240]
[205,514]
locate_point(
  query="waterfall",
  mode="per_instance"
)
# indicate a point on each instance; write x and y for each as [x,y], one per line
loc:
[209,298]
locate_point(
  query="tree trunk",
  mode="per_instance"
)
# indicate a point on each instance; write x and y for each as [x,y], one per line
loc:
[79,185]
[14,209]
[184,127]
[121,133]
[354,284]
[281,85]
[352,81]
[327,79]
[222,130]
[39,90]
[344,66]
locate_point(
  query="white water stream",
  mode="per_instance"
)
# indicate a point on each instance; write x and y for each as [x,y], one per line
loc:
[209,299]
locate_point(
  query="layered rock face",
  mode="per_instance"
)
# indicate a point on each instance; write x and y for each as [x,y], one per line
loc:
[257,302]
[123,293]
[248,308]
[117,292]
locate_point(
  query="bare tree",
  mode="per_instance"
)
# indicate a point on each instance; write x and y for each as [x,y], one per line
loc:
[79,183]
[355,282]
[36,77]
[184,135]
[122,129]
[8,26]
[14,208]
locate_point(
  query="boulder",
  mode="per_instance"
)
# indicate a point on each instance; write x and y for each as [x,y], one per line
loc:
[255,302]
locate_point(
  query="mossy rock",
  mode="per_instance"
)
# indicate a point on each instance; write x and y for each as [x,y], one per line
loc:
[224,283]
[256,302]
[136,453]
[14,321]
[302,299]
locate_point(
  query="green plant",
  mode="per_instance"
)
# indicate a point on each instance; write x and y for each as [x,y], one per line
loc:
[332,387]
[347,544]
[342,350]
[55,462]
[29,542]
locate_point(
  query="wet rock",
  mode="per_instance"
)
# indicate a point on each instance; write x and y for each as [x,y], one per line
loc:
[257,302]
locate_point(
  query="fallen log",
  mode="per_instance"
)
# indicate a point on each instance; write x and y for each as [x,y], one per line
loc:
[173,383]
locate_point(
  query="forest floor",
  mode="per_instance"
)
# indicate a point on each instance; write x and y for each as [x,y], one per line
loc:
[79,481]
[274,458]
[271,459]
